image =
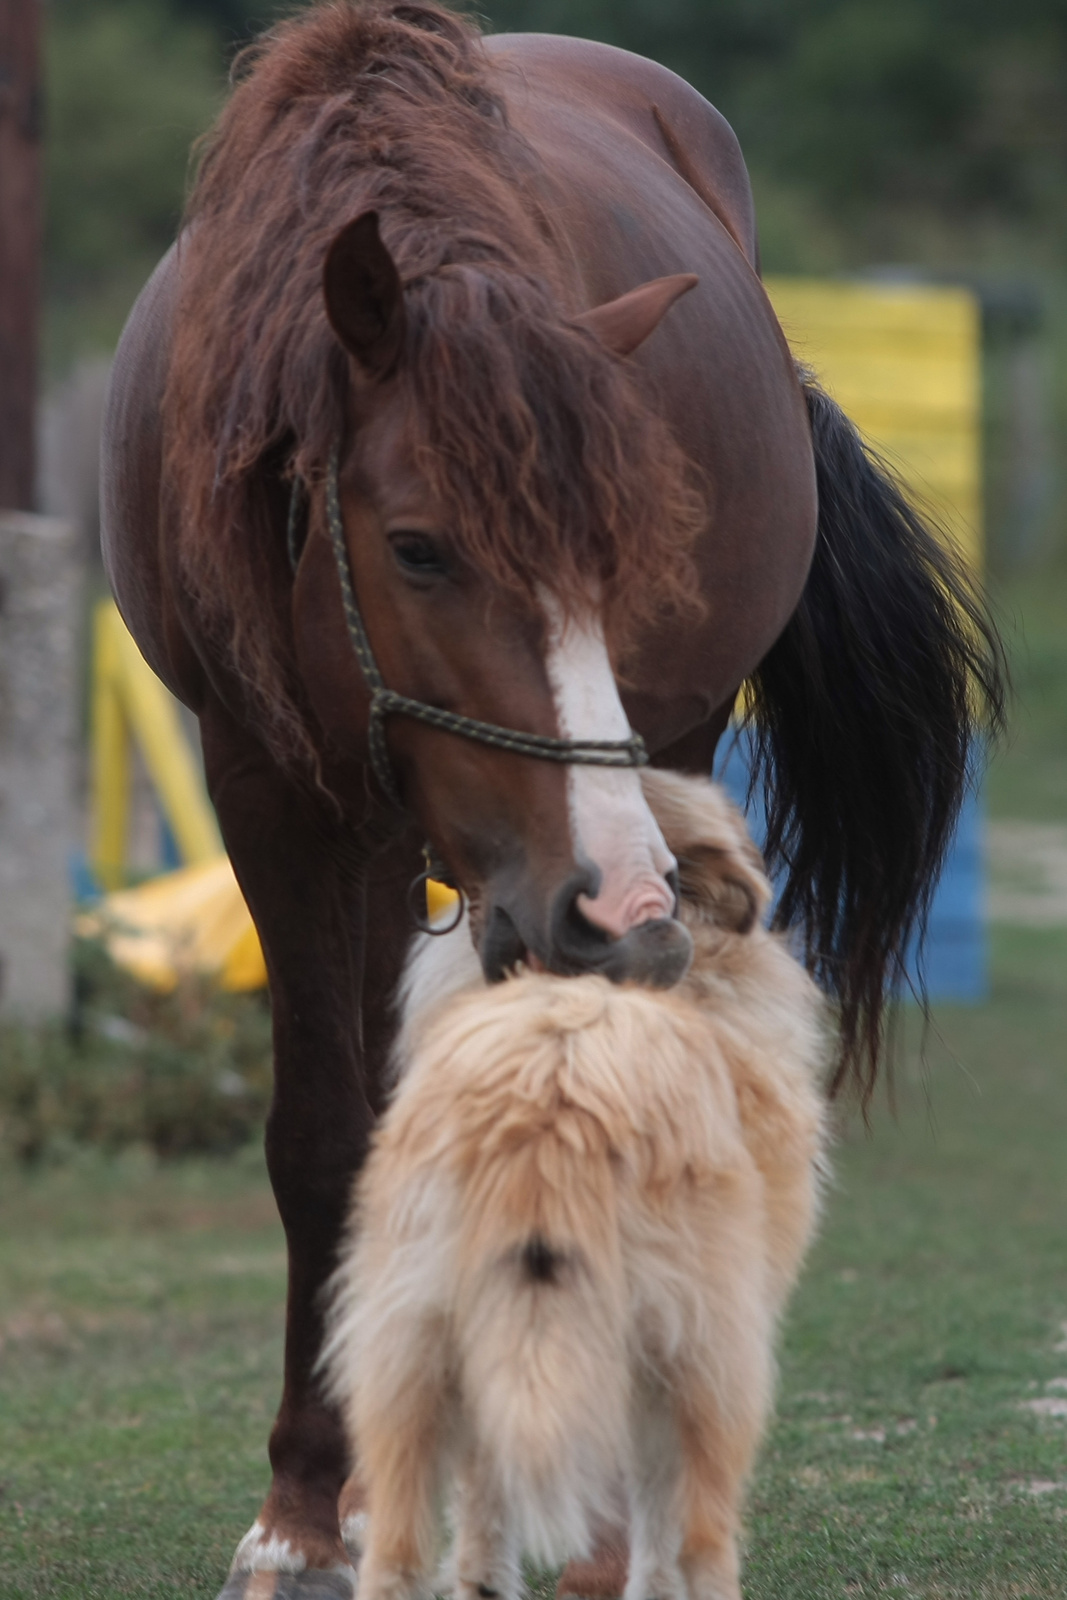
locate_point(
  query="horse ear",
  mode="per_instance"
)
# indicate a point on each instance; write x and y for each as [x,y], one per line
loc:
[364,296]
[625,323]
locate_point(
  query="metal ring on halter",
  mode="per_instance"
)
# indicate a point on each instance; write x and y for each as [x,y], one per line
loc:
[422,919]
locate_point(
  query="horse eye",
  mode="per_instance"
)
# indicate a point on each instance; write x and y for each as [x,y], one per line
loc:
[417,554]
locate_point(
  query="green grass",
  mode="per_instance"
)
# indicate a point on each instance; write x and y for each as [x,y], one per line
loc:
[903,1460]
[1028,777]
[141,1314]
[141,1304]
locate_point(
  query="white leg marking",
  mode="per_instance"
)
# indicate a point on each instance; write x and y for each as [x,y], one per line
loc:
[259,1551]
[354,1533]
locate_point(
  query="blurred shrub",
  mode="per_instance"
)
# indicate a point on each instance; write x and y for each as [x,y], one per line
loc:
[181,1073]
[890,130]
[926,132]
[239,20]
[952,109]
[129,85]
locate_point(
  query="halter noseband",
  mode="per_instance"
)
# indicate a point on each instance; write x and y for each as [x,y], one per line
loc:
[385,702]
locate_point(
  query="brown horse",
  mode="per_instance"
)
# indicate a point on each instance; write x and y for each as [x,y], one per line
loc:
[427,260]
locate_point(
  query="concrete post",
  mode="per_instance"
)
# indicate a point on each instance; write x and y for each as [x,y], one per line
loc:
[39,617]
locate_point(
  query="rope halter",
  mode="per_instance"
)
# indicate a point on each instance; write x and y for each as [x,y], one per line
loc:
[385,702]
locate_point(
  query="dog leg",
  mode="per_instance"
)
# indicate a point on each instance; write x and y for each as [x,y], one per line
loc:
[715,1459]
[398,1553]
[400,1460]
[655,1503]
[485,1555]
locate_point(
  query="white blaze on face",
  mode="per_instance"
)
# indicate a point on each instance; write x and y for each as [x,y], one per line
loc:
[611,824]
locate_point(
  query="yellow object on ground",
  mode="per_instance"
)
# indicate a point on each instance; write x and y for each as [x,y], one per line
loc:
[129,701]
[192,921]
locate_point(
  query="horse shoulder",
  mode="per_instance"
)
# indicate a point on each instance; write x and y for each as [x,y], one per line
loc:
[661,109]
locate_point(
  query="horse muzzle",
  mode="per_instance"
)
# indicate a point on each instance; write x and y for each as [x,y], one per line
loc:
[655,953]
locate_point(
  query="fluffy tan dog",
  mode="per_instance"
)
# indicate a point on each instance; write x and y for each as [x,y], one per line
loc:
[572,1242]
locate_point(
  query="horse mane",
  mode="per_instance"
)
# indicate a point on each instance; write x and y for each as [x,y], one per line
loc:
[556,474]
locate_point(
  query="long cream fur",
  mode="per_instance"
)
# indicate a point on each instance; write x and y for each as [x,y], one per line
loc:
[573,1239]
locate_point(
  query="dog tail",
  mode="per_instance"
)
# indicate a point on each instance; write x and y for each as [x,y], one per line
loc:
[542,1336]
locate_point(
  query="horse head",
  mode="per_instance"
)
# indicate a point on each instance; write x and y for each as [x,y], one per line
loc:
[562,859]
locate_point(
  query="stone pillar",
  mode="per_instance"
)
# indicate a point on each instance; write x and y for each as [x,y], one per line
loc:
[39,618]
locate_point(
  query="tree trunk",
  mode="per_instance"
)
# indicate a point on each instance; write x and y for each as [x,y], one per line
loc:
[20,245]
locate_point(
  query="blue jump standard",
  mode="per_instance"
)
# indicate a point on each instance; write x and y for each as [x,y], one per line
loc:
[954,959]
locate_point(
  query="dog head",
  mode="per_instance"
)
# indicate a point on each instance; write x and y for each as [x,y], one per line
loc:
[720,871]
[722,886]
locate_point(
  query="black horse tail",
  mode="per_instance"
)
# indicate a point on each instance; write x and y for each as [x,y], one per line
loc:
[869,716]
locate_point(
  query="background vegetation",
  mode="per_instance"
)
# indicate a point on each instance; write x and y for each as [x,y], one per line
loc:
[920,1448]
[925,137]
[171,1075]
[920,1443]
[129,85]
[947,116]
[928,130]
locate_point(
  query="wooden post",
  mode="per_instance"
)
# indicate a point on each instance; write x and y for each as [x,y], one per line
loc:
[20,246]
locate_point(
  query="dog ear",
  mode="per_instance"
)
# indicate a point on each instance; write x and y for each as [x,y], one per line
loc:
[625,323]
[720,871]
[364,296]
[727,885]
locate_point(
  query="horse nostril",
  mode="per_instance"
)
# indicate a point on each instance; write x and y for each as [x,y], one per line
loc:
[576,944]
[502,946]
[656,952]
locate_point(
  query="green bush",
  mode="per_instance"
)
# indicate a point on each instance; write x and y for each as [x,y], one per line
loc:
[129,86]
[180,1073]
[129,89]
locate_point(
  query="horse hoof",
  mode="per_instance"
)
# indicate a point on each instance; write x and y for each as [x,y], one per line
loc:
[602,1578]
[338,1584]
[354,1535]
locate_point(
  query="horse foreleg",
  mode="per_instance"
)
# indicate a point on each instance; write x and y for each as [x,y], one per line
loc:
[303,878]
[603,1575]
[352,1515]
